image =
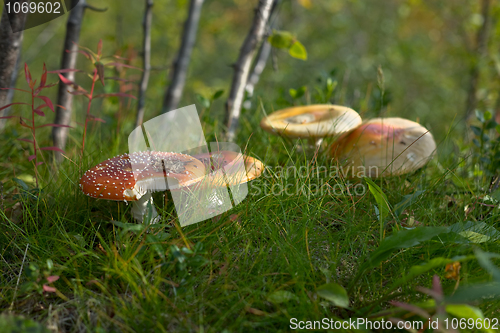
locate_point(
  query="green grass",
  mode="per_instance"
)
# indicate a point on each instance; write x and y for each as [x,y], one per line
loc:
[255,267]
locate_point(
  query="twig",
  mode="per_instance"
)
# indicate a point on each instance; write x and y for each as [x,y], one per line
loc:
[480,52]
[69,57]
[148,17]
[242,66]
[181,63]
[95,9]
[18,278]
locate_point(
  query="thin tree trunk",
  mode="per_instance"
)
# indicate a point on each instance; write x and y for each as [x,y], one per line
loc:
[180,66]
[260,64]
[262,56]
[148,17]
[10,52]
[69,57]
[479,53]
[242,66]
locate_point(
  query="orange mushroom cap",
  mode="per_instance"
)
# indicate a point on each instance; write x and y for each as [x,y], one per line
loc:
[311,121]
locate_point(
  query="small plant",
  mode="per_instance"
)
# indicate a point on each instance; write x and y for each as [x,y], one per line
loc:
[40,279]
[35,110]
[97,73]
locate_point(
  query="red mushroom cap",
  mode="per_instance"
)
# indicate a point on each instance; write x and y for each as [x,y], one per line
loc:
[115,179]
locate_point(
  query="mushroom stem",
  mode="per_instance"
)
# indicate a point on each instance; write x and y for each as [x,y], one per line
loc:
[140,208]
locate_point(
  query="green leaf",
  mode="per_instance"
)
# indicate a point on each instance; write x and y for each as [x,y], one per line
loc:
[475,232]
[292,93]
[281,39]
[426,267]
[297,50]
[22,183]
[335,293]
[487,115]
[477,292]
[480,116]
[401,240]
[205,102]
[129,226]
[476,130]
[484,260]
[281,296]
[491,124]
[468,311]
[217,94]
[380,198]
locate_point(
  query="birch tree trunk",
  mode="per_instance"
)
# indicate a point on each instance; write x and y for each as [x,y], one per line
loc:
[480,53]
[242,66]
[10,53]
[181,63]
[261,59]
[69,57]
[146,49]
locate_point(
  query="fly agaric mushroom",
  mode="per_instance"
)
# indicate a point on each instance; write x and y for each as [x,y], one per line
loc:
[384,147]
[312,121]
[229,163]
[132,177]
[210,197]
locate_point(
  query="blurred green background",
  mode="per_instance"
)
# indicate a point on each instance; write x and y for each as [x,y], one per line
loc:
[425,50]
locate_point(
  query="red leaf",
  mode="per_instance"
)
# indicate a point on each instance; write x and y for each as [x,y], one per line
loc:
[26,91]
[60,106]
[92,117]
[48,101]
[115,95]
[86,54]
[31,157]
[44,77]
[66,81]
[6,106]
[39,112]
[117,64]
[22,123]
[49,289]
[64,70]
[52,278]
[26,140]
[39,163]
[99,48]
[8,117]
[27,74]
[53,125]
[52,148]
